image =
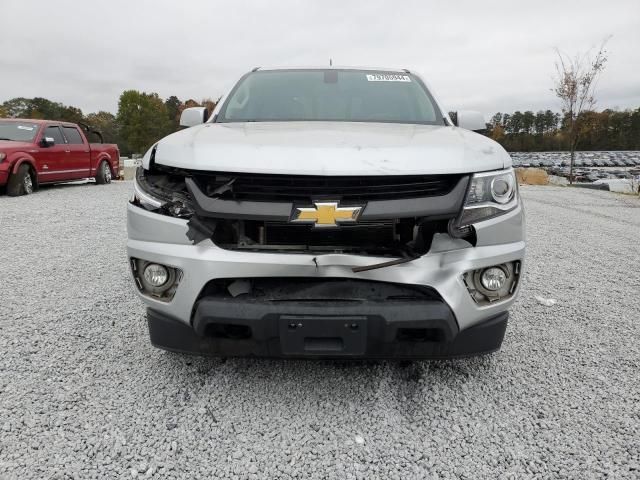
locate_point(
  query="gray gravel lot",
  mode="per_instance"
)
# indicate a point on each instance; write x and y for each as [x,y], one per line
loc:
[84,395]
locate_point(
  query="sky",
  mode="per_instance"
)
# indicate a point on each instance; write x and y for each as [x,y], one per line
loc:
[476,55]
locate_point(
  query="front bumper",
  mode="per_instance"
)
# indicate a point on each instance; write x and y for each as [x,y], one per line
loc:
[162,239]
[337,332]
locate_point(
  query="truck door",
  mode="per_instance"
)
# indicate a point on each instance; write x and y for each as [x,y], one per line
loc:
[78,159]
[50,160]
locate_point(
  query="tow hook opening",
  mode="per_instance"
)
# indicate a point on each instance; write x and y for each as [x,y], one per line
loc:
[420,335]
[229,331]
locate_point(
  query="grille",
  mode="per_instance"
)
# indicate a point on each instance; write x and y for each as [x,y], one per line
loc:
[291,188]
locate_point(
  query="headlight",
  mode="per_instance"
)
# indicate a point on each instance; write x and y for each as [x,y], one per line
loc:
[142,192]
[161,193]
[2,156]
[490,194]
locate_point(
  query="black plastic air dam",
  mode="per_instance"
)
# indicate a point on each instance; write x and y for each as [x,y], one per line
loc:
[360,333]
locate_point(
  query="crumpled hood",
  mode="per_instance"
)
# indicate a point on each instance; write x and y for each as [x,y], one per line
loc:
[330,148]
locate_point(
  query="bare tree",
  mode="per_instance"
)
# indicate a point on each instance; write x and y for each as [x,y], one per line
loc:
[574,85]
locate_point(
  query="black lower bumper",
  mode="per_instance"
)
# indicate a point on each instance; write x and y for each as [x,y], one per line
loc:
[402,330]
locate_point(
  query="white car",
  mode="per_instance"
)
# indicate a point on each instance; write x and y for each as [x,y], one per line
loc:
[327,212]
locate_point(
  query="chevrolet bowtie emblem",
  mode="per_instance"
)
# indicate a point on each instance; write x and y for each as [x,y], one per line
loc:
[326,214]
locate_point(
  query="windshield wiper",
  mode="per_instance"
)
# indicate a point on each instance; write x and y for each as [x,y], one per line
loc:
[10,139]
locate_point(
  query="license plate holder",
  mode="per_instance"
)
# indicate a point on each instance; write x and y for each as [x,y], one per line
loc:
[323,335]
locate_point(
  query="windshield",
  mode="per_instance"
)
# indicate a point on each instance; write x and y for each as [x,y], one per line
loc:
[330,95]
[18,131]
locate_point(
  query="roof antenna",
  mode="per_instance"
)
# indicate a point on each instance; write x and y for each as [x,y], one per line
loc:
[330,62]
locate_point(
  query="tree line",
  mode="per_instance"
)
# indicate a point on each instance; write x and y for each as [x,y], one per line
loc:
[143,118]
[549,131]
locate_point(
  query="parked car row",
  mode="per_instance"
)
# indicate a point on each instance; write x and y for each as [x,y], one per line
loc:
[37,152]
[585,159]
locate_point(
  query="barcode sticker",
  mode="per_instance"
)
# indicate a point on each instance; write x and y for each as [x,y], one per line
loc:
[388,77]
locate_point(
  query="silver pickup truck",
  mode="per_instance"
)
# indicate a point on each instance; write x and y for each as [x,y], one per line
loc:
[327,212]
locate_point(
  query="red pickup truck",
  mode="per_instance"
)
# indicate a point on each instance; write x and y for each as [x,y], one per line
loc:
[34,152]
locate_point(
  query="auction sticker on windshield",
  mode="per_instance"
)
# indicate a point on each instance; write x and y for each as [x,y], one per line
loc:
[387,77]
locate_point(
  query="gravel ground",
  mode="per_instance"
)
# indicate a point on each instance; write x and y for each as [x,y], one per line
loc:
[84,395]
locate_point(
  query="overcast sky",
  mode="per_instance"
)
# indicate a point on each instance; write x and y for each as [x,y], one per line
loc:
[483,55]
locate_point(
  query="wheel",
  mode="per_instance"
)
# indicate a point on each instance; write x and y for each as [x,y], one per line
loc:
[20,183]
[104,174]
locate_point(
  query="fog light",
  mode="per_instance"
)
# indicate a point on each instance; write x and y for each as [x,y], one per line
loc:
[155,274]
[153,280]
[492,278]
[491,284]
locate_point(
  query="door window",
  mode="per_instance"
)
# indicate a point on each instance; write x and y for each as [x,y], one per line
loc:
[73,136]
[56,134]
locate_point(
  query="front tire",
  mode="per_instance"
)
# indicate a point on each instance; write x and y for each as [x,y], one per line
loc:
[104,174]
[20,183]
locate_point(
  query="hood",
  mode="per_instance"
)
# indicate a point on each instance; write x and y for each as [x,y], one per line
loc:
[6,145]
[330,148]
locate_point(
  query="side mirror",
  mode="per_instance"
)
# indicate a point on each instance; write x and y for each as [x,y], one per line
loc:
[47,142]
[193,116]
[470,120]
